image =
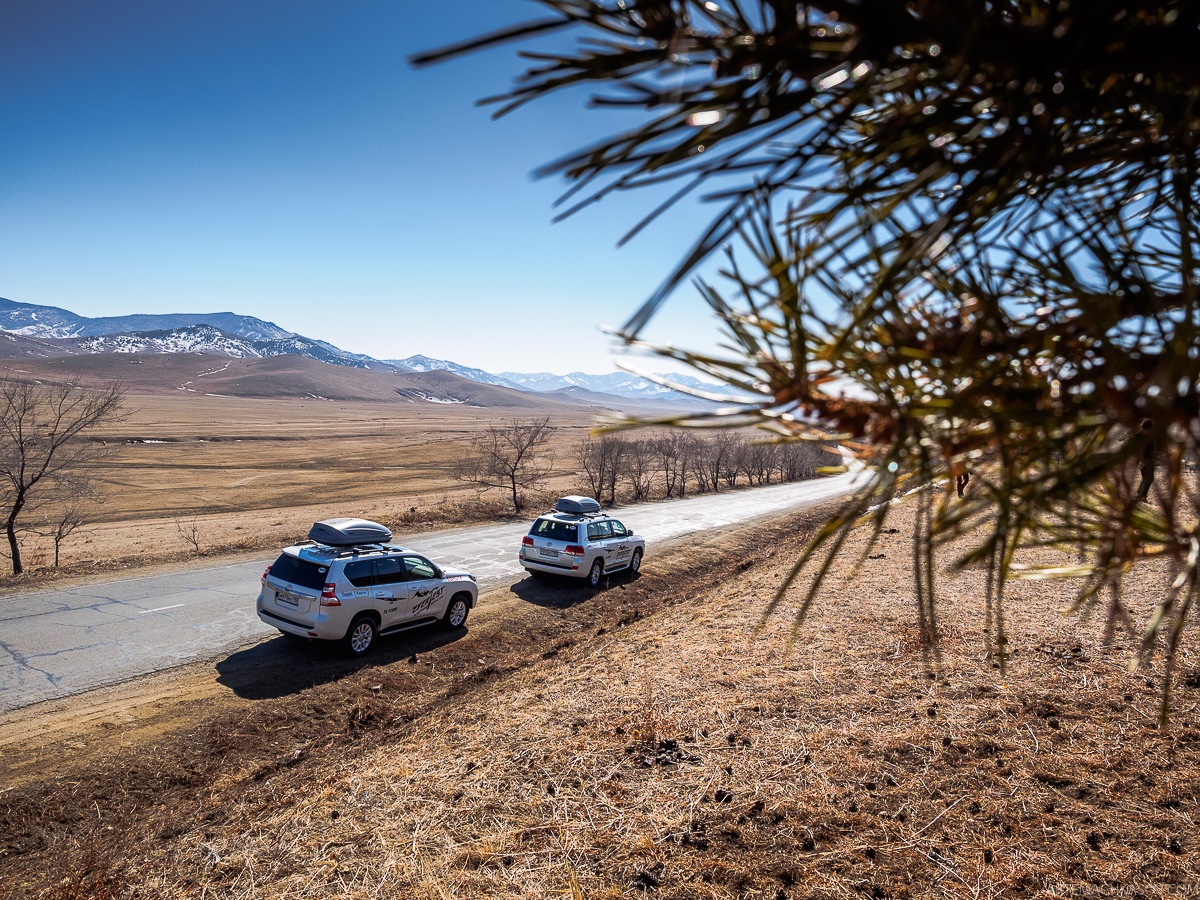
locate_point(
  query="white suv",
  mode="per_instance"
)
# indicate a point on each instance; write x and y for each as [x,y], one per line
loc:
[577,539]
[348,584]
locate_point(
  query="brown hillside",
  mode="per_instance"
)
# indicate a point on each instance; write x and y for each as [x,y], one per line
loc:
[18,346]
[276,377]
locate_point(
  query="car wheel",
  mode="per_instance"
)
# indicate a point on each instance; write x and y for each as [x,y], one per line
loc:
[596,573]
[361,636]
[635,564]
[456,612]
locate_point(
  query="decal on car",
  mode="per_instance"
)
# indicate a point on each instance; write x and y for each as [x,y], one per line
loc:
[427,598]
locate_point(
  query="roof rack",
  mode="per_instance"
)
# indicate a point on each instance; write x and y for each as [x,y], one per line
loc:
[350,549]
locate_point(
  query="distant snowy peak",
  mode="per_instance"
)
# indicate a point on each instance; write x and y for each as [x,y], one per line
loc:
[246,337]
[191,339]
[39,321]
[208,339]
[51,322]
[427,364]
[622,384]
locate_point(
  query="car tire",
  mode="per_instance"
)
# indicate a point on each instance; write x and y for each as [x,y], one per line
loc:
[360,636]
[595,573]
[457,611]
[635,564]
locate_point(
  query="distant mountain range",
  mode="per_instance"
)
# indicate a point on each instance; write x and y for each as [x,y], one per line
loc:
[619,384]
[49,331]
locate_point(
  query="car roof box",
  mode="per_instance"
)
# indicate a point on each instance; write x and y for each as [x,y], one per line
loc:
[348,532]
[577,505]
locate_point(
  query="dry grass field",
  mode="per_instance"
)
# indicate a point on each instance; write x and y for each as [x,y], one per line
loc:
[246,469]
[642,740]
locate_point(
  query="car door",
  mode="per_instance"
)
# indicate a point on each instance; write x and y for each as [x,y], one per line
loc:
[622,547]
[390,592]
[426,591]
[599,535]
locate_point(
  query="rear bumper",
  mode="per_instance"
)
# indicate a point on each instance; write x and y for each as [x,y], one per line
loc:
[322,628]
[286,624]
[571,571]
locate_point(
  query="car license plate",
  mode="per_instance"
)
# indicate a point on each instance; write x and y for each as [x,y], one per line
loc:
[545,552]
[287,600]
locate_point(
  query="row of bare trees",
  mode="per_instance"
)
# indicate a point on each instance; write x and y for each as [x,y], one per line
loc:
[680,462]
[513,456]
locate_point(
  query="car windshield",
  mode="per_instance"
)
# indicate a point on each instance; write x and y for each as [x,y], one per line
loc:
[554,530]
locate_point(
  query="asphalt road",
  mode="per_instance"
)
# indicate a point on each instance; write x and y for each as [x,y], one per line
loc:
[58,642]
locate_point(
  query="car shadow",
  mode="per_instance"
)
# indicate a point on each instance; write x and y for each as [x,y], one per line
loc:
[555,592]
[285,665]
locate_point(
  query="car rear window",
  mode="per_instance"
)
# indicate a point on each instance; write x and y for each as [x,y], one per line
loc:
[299,571]
[554,530]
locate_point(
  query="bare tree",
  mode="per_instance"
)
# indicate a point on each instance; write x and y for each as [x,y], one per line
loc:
[67,509]
[797,460]
[188,530]
[601,462]
[509,456]
[41,427]
[716,459]
[758,462]
[640,467]
[676,453]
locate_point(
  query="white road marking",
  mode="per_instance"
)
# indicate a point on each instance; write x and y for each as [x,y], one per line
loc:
[161,608]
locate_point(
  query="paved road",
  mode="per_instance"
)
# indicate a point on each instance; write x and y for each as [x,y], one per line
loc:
[54,643]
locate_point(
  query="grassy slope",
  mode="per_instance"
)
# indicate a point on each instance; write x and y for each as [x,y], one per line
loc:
[644,740]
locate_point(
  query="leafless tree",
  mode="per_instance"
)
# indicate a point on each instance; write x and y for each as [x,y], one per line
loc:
[601,461]
[510,456]
[797,460]
[640,467]
[188,529]
[66,511]
[41,429]
[677,456]
[715,458]
[758,462]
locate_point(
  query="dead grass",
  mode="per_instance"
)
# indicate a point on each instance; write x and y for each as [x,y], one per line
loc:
[648,741]
[255,473]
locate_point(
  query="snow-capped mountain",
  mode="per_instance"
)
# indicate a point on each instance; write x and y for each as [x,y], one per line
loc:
[223,333]
[62,332]
[194,339]
[426,364]
[51,322]
[622,384]
[209,339]
[39,321]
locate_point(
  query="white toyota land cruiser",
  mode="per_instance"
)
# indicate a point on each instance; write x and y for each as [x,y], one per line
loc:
[347,583]
[579,540]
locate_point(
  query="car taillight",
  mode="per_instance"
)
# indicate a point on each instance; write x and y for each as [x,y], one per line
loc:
[527,541]
[329,595]
[266,572]
[574,549]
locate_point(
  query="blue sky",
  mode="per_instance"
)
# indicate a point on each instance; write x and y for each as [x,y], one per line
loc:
[281,158]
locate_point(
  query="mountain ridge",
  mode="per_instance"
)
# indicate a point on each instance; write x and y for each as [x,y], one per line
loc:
[47,331]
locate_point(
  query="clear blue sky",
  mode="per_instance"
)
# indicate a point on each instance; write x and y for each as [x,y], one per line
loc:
[281,158]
